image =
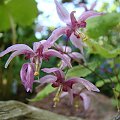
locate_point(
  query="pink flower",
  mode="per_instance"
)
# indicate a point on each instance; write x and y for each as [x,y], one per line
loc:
[80,95]
[67,52]
[65,85]
[73,25]
[40,52]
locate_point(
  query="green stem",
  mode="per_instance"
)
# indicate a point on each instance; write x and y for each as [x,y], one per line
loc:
[110,79]
[13,28]
[93,72]
[118,108]
[85,66]
[115,72]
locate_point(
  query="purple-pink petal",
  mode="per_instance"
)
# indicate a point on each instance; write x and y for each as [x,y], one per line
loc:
[70,93]
[62,48]
[84,6]
[23,72]
[48,79]
[36,45]
[86,83]
[55,35]
[63,94]
[58,72]
[86,100]
[15,48]
[77,42]
[66,49]
[16,53]
[88,14]
[62,12]
[51,70]
[27,76]
[93,5]
[63,64]
[73,19]
[76,56]
[52,52]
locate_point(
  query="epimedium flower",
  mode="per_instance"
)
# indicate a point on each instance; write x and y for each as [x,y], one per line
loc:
[69,54]
[73,25]
[65,85]
[80,95]
[40,52]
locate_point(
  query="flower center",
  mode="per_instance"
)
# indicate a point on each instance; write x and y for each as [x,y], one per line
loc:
[57,96]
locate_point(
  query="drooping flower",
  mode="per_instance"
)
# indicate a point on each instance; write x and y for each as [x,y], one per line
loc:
[27,75]
[40,52]
[69,54]
[73,25]
[65,85]
[80,95]
[85,7]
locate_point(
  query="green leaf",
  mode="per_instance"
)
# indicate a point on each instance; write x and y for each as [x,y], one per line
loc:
[24,12]
[100,26]
[4,18]
[117,60]
[43,93]
[100,83]
[117,87]
[81,71]
[96,48]
[114,102]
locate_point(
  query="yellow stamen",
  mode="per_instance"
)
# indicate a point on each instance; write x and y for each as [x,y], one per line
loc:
[81,35]
[37,67]
[76,102]
[57,96]
[36,73]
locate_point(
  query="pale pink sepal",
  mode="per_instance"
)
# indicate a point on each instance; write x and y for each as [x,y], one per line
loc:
[48,79]
[77,42]
[16,47]
[62,12]
[86,83]
[52,52]
[86,100]
[88,14]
